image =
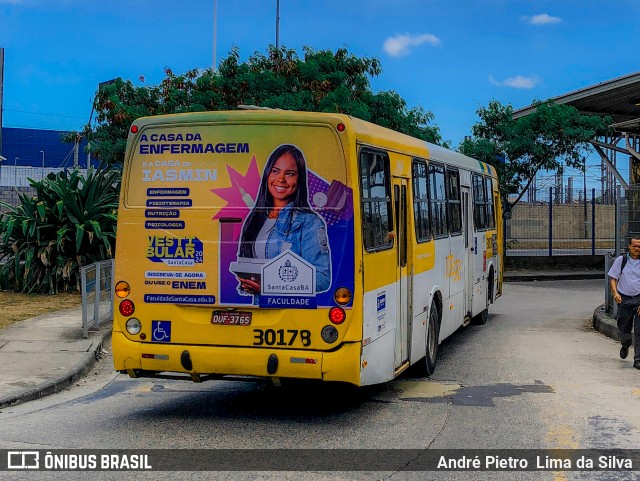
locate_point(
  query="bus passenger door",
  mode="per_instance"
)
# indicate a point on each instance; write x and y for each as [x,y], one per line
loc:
[468,258]
[402,276]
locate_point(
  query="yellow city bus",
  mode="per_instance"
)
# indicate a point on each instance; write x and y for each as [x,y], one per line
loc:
[283,244]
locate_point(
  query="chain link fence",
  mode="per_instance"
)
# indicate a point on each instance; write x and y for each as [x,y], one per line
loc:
[14,180]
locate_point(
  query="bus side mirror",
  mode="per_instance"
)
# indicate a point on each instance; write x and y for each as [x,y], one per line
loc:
[507,212]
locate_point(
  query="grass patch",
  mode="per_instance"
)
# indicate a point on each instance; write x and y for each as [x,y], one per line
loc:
[16,307]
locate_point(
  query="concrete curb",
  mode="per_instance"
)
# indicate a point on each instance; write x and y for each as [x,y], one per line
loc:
[545,276]
[604,323]
[65,380]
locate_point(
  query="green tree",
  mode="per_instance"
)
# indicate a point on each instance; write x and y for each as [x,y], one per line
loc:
[321,81]
[70,222]
[552,137]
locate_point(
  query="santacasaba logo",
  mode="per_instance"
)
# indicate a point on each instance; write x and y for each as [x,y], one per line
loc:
[175,251]
[288,274]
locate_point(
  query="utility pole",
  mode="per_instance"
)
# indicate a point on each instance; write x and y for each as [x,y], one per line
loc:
[215,32]
[277,24]
[1,93]
[584,184]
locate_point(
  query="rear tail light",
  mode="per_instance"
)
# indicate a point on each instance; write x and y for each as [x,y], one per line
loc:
[123,289]
[133,326]
[337,315]
[127,308]
[329,334]
[342,296]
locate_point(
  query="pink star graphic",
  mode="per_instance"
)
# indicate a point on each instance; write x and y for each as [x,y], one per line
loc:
[242,193]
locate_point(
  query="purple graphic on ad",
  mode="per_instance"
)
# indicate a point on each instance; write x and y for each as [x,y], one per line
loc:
[333,201]
[229,239]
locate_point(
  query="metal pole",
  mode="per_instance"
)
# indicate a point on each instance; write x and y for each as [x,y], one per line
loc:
[593,222]
[215,32]
[550,221]
[42,176]
[1,93]
[277,24]
[618,220]
[96,300]
[607,292]
[584,183]
[85,307]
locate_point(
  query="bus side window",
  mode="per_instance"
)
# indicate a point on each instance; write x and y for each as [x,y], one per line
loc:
[421,201]
[438,200]
[375,191]
[488,197]
[453,199]
[479,205]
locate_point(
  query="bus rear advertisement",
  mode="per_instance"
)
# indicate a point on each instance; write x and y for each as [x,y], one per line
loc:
[277,244]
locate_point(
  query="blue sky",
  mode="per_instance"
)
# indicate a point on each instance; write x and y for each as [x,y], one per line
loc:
[448,56]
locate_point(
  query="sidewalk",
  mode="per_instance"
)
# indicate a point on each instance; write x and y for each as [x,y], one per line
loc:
[47,354]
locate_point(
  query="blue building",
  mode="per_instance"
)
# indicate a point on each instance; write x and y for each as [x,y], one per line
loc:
[40,148]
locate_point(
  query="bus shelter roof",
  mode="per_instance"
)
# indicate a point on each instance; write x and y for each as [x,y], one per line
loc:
[618,98]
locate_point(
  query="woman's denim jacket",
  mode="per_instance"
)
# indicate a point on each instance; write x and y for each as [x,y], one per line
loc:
[305,234]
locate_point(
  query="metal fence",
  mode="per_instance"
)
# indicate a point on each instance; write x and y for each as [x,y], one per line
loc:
[551,223]
[14,180]
[19,175]
[627,224]
[97,283]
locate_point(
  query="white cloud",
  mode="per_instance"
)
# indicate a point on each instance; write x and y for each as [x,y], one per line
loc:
[400,44]
[542,19]
[517,82]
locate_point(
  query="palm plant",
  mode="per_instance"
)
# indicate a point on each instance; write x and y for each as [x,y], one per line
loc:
[70,222]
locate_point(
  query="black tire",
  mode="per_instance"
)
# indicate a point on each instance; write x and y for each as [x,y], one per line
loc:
[432,335]
[482,318]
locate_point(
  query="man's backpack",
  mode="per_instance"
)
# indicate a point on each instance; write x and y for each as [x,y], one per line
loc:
[624,262]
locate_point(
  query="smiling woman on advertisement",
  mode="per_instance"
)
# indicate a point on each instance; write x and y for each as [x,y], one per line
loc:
[282,220]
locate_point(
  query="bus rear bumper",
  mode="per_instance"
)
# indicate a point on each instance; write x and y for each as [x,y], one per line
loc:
[342,364]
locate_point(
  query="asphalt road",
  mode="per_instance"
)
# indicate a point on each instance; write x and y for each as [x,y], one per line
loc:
[535,376]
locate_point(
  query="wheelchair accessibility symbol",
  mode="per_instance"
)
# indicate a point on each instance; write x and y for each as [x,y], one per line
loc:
[161,331]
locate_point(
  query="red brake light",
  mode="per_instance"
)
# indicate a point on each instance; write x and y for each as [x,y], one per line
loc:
[340,127]
[337,315]
[134,129]
[127,308]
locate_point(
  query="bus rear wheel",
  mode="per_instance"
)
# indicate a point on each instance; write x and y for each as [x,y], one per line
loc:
[482,318]
[431,348]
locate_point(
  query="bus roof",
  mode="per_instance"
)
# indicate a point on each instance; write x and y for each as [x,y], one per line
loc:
[366,132]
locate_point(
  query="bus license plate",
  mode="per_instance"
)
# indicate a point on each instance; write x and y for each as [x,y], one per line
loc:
[231,318]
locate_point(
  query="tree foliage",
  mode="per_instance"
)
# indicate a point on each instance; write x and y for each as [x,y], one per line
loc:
[70,222]
[552,137]
[320,81]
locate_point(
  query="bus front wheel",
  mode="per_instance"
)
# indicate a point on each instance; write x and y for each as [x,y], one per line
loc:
[433,332]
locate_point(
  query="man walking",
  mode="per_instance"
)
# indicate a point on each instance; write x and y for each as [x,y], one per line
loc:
[624,279]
